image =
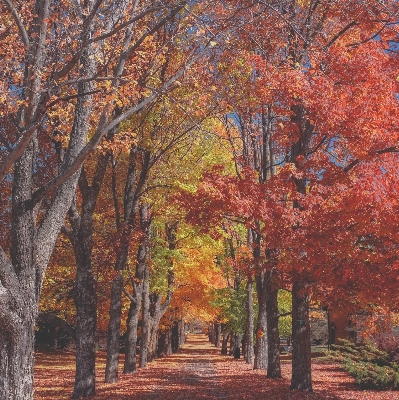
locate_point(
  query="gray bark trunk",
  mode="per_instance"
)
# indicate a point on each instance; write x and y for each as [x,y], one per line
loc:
[136,300]
[130,365]
[301,350]
[273,336]
[165,343]
[249,328]
[218,333]
[225,342]
[115,312]
[261,350]
[86,318]
[145,320]
[16,361]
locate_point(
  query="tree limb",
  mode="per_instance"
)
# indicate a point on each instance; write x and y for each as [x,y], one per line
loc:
[18,21]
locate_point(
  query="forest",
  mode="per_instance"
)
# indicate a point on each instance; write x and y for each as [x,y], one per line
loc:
[222,164]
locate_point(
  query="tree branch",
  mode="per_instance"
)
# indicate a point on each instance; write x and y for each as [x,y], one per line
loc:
[18,21]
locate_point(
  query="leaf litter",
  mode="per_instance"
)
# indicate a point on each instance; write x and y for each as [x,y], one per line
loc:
[197,371]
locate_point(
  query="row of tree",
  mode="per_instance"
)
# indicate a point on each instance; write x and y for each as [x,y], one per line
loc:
[313,132]
[108,108]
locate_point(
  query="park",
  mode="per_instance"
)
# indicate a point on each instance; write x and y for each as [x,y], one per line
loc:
[199,199]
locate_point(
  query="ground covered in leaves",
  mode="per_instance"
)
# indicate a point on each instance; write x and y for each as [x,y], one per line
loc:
[197,371]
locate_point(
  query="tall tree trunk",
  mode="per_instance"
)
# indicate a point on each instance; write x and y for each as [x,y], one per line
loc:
[182,333]
[225,342]
[115,312]
[16,360]
[218,332]
[273,336]
[249,327]
[211,332]
[132,322]
[17,324]
[232,341]
[145,319]
[176,330]
[86,318]
[261,350]
[155,318]
[136,298]
[165,347]
[301,350]
[301,378]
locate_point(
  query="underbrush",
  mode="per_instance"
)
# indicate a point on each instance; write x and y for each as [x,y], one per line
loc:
[372,368]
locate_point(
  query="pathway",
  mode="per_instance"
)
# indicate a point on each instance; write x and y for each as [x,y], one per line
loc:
[197,371]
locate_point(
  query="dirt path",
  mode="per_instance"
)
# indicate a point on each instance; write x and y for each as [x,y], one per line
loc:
[197,371]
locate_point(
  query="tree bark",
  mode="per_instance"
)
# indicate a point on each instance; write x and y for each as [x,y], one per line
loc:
[301,350]
[132,322]
[261,350]
[225,342]
[136,299]
[211,333]
[273,336]
[154,319]
[217,328]
[249,327]
[16,361]
[182,333]
[145,319]
[115,312]
[86,318]
[165,343]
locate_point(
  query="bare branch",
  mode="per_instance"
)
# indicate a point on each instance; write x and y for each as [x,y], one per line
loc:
[340,33]
[128,295]
[20,147]
[18,21]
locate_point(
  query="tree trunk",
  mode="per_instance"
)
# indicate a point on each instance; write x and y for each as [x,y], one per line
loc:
[273,336]
[175,337]
[301,352]
[231,348]
[225,341]
[261,350]
[115,311]
[136,299]
[249,327]
[217,328]
[237,338]
[155,318]
[81,238]
[17,321]
[165,343]
[86,318]
[182,333]
[145,320]
[132,322]
[211,333]
[16,361]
